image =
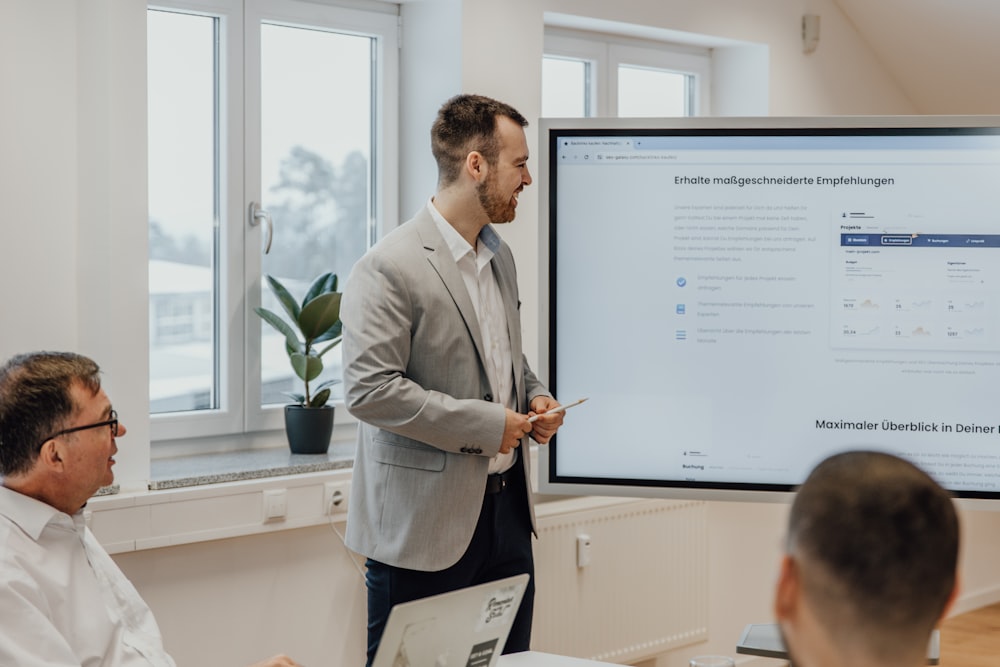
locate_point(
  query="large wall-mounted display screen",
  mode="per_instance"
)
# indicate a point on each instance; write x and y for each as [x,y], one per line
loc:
[739,298]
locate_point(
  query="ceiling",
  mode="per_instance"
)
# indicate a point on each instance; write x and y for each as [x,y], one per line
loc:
[945,54]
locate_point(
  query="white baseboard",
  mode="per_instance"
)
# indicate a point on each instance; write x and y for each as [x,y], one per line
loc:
[976,599]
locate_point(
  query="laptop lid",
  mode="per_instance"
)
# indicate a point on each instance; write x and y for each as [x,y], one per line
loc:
[463,628]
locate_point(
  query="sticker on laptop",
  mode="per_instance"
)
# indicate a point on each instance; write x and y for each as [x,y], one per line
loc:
[499,607]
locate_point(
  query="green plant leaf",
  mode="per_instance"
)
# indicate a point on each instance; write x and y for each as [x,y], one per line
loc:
[319,315]
[298,398]
[328,383]
[307,367]
[285,297]
[292,342]
[333,332]
[329,347]
[323,284]
[316,320]
[320,399]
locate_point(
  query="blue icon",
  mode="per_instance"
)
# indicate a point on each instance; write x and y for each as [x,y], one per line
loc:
[681,309]
[681,334]
[682,281]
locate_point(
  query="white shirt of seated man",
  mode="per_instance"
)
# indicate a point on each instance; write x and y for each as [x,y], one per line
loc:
[63,600]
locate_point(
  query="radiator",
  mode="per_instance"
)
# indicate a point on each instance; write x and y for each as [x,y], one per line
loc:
[644,589]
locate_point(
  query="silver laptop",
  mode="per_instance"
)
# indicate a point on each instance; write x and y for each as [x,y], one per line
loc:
[463,628]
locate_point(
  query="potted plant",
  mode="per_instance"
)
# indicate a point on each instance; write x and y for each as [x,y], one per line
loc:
[309,325]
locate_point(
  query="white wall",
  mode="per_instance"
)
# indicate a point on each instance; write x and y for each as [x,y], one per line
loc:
[38,175]
[73,259]
[236,601]
[72,275]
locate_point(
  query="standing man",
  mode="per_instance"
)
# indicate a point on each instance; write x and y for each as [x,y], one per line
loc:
[63,600]
[871,564]
[433,369]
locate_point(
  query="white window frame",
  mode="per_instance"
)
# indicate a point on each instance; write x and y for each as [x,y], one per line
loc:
[240,414]
[605,52]
[593,53]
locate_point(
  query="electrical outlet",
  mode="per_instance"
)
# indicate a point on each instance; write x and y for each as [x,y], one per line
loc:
[335,496]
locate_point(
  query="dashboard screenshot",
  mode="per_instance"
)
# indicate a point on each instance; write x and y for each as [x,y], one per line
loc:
[740,303]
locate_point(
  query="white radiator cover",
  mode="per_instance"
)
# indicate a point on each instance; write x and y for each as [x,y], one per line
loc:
[644,590]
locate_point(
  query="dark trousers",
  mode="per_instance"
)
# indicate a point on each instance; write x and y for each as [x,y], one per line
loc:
[500,547]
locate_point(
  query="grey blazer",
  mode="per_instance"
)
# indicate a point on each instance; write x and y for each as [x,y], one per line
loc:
[415,377]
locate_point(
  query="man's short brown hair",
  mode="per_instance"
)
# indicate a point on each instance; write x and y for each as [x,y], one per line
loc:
[876,540]
[464,124]
[35,402]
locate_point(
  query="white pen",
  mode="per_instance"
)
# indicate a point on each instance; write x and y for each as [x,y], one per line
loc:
[561,408]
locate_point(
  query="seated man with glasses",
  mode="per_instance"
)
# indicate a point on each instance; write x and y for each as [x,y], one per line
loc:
[63,600]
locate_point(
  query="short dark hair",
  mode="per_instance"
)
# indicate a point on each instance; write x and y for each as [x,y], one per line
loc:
[877,541]
[35,402]
[467,123]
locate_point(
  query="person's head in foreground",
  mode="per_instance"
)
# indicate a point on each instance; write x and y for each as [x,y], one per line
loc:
[871,563]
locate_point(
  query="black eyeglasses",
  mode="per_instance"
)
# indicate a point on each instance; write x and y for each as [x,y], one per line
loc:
[113,423]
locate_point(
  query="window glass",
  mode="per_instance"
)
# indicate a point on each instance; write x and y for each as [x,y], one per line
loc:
[183,212]
[644,91]
[315,172]
[565,86]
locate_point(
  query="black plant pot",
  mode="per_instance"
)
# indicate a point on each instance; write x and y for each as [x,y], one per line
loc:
[308,429]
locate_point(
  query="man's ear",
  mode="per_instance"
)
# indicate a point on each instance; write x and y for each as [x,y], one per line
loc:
[476,165]
[786,595]
[48,455]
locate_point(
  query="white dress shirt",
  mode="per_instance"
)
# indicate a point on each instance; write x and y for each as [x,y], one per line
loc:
[63,600]
[477,271]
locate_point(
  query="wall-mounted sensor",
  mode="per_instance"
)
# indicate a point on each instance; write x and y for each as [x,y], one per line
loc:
[582,550]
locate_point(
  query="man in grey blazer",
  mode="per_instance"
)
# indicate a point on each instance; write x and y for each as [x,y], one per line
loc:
[434,371]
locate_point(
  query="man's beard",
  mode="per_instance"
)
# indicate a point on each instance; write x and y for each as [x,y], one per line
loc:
[498,208]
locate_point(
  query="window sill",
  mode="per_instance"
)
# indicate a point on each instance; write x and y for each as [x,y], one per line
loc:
[201,469]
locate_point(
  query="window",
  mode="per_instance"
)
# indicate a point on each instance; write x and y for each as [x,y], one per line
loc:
[648,91]
[590,74]
[566,86]
[277,104]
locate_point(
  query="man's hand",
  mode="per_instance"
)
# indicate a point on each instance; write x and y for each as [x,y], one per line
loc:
[546,425]
[517,427]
